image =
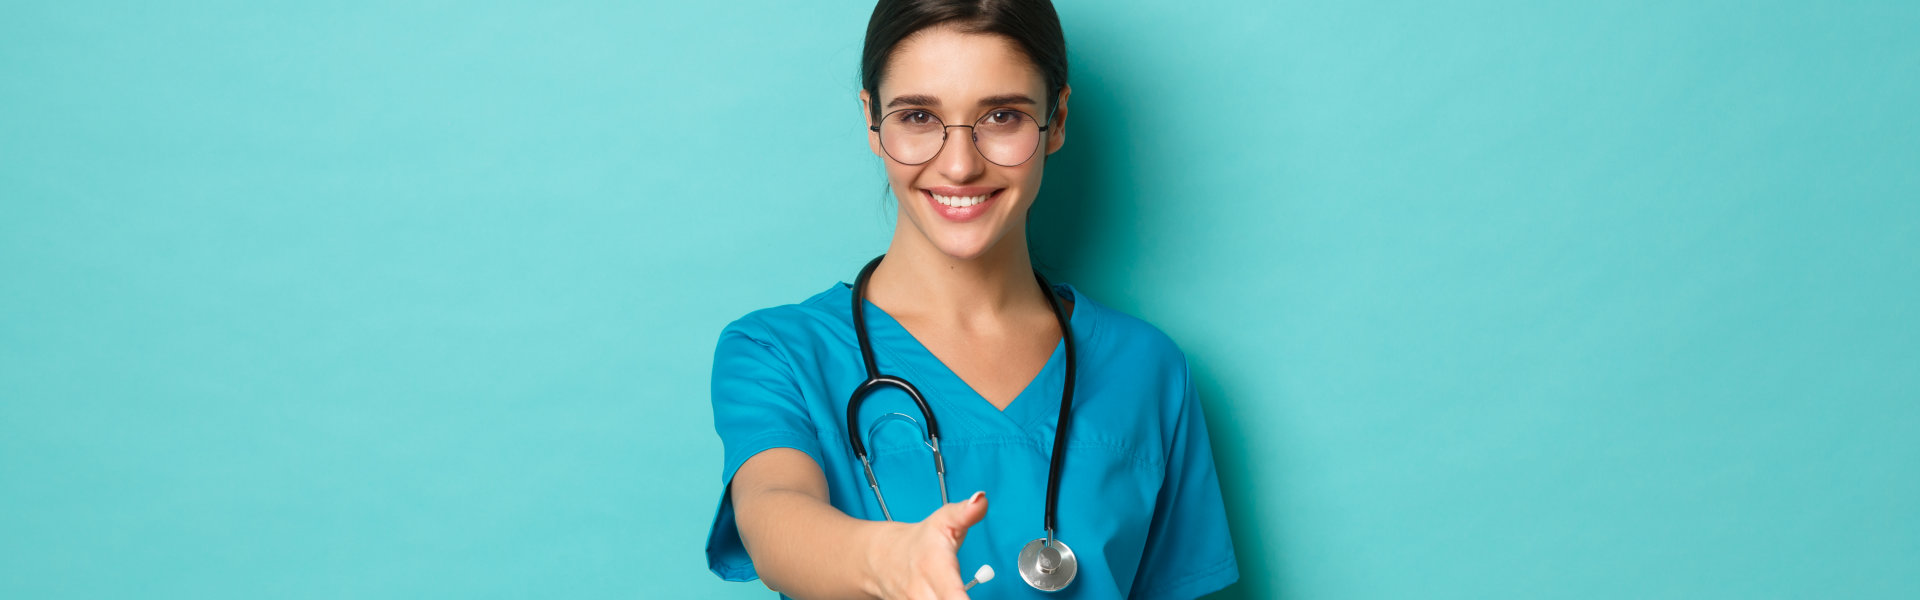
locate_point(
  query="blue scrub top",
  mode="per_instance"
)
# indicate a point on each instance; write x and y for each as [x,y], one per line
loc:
[1139,499]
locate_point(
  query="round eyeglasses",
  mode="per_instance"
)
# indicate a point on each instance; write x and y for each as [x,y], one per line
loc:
[1003,136]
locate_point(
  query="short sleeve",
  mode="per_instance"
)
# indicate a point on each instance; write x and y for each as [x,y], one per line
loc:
[1189,551]
[757,405]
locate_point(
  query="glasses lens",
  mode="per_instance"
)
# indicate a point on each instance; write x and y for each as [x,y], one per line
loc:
[911,136]
[1007,137]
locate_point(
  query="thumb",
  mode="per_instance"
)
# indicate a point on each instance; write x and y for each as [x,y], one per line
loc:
[957,517]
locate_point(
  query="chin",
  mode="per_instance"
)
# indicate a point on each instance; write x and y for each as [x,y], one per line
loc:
[962,241]
[963,249]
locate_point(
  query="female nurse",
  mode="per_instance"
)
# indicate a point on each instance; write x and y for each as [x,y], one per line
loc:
[964,101]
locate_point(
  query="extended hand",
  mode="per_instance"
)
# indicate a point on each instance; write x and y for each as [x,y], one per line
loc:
[918,561]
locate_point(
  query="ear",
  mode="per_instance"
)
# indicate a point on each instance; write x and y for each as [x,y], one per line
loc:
[1057,132]
[866,114]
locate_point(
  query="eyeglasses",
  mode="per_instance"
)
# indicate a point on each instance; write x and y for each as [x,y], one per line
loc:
[1003,136]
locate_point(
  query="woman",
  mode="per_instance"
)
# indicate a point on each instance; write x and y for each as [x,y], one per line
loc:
[1001,359]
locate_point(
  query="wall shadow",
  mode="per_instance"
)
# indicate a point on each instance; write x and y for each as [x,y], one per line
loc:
[1255,537]
[1062,227]
[1081,221]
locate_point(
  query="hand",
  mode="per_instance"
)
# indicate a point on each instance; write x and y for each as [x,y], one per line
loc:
[917,561]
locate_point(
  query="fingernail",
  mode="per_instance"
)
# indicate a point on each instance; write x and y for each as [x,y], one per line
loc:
[976,498]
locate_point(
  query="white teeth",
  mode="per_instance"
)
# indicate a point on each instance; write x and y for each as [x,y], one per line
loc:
[958,201]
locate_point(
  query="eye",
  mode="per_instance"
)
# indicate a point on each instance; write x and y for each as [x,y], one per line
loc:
[914,117]
[1005,117]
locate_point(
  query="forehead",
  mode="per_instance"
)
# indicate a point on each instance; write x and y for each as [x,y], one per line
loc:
[958,68]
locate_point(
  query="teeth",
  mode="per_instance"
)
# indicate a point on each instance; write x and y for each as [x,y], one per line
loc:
[958,201]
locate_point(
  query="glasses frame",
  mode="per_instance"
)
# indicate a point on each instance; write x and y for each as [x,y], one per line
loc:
[973,137]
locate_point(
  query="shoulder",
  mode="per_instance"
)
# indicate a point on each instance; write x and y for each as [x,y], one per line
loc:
[812,319]
[1134,337]
[1139,379]
[1131,354]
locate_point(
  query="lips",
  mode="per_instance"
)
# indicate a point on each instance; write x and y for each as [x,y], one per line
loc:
[958,201]
[960,204]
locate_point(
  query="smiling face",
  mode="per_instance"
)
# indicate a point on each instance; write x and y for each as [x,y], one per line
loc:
[959,202]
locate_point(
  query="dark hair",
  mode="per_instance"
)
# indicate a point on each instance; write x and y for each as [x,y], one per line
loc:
[1030,23]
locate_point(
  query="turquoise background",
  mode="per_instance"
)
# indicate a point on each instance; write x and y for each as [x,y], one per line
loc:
[1487,299]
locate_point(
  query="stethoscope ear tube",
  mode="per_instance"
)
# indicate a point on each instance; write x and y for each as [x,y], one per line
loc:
[874,382]
[860,327]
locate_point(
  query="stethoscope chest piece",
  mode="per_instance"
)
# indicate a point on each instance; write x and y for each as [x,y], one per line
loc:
[1048,567]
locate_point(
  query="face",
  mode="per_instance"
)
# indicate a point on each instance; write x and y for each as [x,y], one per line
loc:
[960,202]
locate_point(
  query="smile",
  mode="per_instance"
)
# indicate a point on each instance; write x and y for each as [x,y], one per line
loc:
[961,204]
[959,201]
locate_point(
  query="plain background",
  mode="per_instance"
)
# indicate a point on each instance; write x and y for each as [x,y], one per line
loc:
[1486,299]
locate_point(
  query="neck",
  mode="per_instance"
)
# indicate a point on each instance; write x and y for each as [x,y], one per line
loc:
[917,281]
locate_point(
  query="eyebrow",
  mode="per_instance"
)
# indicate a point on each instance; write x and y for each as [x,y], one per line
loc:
[925,100]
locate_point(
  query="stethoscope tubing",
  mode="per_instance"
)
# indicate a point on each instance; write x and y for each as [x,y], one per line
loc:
[1066,408]
[875,380]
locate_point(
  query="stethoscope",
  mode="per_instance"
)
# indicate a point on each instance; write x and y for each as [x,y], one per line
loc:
[1047,563]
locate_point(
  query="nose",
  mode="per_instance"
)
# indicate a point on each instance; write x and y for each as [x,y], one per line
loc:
[959,159]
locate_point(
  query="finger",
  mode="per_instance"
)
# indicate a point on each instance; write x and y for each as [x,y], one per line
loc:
[926,590]
[948,585]
[941,587]
[953,592]
[960,516]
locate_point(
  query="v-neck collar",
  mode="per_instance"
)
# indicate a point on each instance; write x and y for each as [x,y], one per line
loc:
[1037,402]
